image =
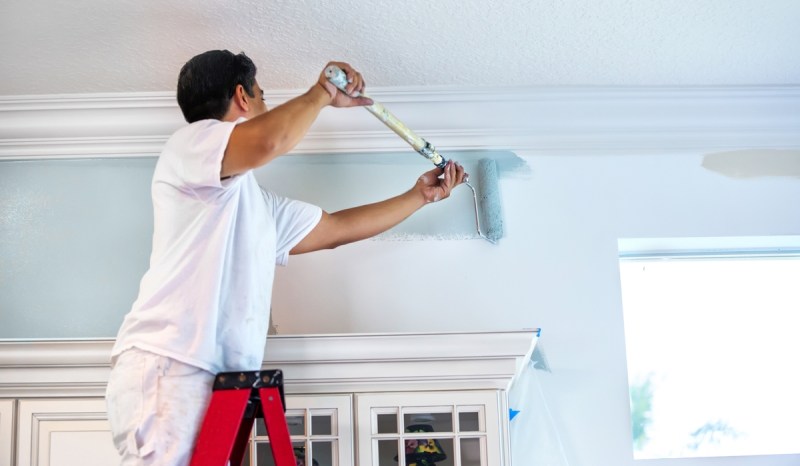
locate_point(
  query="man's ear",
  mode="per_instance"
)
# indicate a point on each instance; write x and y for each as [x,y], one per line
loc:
[240,98]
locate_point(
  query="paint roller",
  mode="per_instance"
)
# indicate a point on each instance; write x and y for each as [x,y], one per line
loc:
[488,220]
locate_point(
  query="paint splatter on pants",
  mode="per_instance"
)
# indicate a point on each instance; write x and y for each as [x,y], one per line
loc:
[155,408]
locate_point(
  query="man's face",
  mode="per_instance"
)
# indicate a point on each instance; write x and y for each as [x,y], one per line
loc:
[257,104]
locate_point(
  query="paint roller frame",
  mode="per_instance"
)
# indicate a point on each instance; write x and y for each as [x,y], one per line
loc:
[486,206]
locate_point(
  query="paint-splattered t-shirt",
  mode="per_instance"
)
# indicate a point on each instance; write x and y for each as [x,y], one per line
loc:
[205,299]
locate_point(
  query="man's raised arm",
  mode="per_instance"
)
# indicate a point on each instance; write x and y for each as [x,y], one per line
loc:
[357,223]
[268,134]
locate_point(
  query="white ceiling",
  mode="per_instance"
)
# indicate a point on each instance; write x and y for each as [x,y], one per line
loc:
[98,46]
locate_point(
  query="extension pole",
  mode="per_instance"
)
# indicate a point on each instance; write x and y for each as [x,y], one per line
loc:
[338,78]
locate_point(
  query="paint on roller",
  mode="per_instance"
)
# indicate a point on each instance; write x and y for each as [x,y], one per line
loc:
[491,213]
[340,181]
[742,164]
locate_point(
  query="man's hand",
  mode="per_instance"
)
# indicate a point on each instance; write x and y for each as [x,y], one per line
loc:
[437,184]
[355,86]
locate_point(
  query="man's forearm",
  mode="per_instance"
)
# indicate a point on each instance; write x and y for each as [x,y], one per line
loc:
[288,123]
[372,219]
[358,223]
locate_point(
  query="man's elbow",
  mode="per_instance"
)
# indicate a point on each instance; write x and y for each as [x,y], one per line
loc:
[265,151]
[304,248]
[240,158]
[329,233]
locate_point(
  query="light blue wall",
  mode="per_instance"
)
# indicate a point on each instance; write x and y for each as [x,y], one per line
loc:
[76,239]
[76,233]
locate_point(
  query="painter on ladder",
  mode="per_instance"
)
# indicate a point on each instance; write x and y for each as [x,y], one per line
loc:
[203,304]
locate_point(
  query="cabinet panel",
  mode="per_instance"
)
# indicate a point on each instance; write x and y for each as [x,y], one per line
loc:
[321,428]
[6,431]
[460,428]
[64,432]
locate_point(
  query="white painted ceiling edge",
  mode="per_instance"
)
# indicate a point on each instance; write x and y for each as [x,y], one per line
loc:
[99,46]
[535,120]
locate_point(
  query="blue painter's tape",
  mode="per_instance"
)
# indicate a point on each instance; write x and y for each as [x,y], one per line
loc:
[512,414]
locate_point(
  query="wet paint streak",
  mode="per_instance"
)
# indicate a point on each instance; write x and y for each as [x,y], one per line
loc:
[742,164]
[339,181]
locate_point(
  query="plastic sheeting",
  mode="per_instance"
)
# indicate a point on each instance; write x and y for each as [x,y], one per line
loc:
[534,438]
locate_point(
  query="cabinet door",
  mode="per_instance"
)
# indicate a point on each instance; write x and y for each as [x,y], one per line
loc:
[321,427]
[6,431]
[442,428]
[64,432]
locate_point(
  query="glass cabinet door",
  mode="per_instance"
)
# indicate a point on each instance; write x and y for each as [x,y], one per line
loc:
[429,429]
[321,429]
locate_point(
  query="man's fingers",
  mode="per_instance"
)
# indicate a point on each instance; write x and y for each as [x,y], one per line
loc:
[365,101]
[355,87]
[461,174]
[439,182]
[355,82]
[436,172]
[457,174]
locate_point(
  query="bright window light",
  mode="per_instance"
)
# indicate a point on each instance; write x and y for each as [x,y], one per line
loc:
[713,352]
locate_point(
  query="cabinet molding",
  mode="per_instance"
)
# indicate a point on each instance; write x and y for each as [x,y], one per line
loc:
[312,363]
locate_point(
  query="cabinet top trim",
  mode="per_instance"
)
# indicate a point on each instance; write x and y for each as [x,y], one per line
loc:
[311,363]
[373,347]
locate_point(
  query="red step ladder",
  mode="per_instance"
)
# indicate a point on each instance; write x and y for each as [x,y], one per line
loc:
[237,400]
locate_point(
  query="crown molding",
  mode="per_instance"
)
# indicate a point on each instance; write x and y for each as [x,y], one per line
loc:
[344,363]
[551,120]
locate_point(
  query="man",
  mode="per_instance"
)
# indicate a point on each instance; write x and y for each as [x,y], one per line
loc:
[203,305]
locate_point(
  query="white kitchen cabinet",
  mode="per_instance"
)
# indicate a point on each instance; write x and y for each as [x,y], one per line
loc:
[7,416]
[465,429]
[64,432]
[350,398]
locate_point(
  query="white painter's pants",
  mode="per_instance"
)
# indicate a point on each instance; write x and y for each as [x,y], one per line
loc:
[155,408]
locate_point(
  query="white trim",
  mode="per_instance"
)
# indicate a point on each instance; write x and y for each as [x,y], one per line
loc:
[717,246]
[558,120]
[311,363]
[8,430]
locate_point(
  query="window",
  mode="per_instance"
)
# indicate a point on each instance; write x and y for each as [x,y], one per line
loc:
[712,345]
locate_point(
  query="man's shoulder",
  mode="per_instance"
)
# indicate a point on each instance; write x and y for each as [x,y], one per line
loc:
[194,136]
[195,127]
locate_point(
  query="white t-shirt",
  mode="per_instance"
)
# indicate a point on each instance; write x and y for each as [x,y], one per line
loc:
[205,299]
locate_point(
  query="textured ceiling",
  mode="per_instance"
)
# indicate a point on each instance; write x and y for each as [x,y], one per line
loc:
[95,46]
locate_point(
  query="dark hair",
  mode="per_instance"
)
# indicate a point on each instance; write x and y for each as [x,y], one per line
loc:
[207,82]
